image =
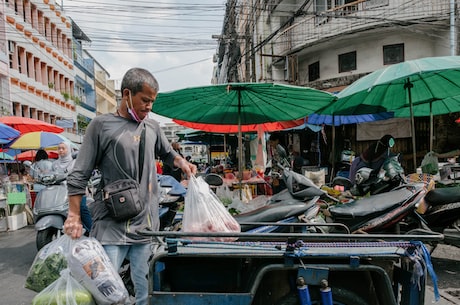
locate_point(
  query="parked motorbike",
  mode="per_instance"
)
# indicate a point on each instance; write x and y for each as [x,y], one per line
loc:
[51,204]
[347,156]
[380,213]
[440,212]
[289,206]
[374,181]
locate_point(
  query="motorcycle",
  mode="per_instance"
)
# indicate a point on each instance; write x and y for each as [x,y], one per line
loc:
[51,204]
[380,213]
[440,212]
[374,181]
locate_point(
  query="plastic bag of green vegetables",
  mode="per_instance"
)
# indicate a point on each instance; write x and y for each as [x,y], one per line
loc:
[64,291]
[48,263]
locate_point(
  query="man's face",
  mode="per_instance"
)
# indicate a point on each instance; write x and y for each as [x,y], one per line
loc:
[142,101]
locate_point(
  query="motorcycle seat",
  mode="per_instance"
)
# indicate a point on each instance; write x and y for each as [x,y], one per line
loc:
[443,196]
[373,205]
[272,213]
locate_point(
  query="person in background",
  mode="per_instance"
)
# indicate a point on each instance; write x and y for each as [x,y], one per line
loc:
[373,157]
[297,162]
[277,155]
[116,143]
[41,155]
[174,171]
[64,164]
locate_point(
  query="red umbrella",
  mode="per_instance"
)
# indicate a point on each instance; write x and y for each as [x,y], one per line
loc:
[25,125]
[217,128]
[29,155]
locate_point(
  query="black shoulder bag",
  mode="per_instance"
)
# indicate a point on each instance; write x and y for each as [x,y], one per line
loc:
[122,197]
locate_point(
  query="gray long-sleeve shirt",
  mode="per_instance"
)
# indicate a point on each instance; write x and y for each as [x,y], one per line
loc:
[111,144]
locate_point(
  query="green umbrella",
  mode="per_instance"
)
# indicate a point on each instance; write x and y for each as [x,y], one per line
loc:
[410,87]
[241,104]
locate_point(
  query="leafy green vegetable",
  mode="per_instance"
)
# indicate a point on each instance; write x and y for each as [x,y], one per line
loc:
[46,271]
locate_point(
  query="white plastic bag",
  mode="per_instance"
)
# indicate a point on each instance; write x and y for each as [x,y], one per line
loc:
[48,263]
[64,291]
[224,194]
[204,212]
[430,164]
[90,265]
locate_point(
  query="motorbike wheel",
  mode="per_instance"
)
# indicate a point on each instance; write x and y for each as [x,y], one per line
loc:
[45,236]
[340,296]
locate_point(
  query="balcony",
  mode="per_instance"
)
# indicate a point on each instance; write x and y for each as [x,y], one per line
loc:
[357,16]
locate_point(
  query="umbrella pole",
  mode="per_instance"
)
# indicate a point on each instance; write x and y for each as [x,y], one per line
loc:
[408,85]
[333,151]
[431,126]
[240,147]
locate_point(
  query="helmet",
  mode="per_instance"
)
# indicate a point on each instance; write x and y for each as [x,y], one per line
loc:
[362,175]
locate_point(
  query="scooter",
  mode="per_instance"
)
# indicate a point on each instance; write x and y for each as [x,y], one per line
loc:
[380,213]
[374,181]
[51,204]
[440,212]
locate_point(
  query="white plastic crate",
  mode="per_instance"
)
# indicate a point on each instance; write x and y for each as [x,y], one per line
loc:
[18,221]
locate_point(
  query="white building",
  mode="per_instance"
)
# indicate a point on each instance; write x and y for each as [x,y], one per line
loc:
[38,47]
[329,44]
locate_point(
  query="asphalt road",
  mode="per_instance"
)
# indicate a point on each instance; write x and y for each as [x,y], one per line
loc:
[17,252]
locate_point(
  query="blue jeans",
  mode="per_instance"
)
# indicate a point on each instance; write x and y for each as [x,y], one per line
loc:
[138,256]
[85,215]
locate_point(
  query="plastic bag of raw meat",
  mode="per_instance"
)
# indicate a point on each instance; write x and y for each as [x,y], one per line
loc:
[204,212]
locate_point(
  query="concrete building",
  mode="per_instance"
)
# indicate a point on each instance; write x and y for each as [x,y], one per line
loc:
[106,96]
[40,72]
[328,45]
[45,71]
[84,92]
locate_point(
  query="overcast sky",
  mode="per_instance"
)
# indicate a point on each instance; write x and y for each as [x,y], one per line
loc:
[172,39]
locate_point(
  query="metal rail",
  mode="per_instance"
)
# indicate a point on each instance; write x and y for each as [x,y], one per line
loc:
[303,224]
[303,236]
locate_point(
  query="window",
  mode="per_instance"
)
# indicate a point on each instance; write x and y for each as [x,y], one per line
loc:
[313,71]
[347,62]
[393,54]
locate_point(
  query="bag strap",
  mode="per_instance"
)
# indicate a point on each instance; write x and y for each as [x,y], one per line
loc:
[141,154]
[141,157]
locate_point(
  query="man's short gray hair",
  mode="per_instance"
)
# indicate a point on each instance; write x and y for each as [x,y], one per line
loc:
[135,78]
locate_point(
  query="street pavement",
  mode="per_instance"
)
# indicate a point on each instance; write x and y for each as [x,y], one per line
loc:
[17,252]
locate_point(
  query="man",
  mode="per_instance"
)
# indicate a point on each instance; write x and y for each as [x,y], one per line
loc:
[277,155]
[113,143]
[174,171]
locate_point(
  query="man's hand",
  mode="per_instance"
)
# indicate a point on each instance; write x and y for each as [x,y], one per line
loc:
[187,168]
[73,226]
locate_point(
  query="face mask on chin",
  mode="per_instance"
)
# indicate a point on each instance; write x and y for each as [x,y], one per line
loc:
[131,110]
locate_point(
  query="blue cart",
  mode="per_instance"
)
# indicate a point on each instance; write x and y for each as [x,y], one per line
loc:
[287,269]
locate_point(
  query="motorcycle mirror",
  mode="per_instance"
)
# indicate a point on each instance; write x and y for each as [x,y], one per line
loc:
[391,142]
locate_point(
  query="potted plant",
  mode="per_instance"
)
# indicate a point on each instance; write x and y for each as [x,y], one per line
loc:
[65,95]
